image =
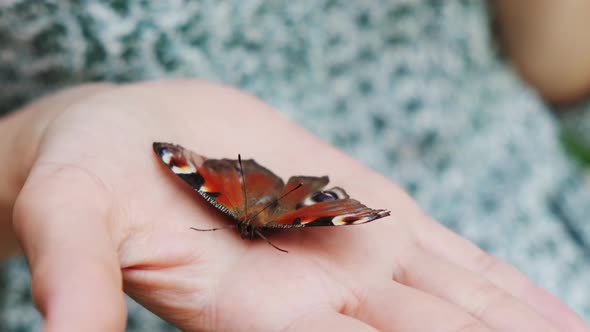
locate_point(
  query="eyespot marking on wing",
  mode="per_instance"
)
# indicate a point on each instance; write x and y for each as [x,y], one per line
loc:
[177,164]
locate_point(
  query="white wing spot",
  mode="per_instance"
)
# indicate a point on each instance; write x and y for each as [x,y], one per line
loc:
[188,169]
[166,156]
[340,220]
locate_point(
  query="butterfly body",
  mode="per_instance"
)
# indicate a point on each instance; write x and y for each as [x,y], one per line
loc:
[257,199]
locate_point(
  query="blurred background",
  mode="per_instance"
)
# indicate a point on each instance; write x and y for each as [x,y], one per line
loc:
[480,112]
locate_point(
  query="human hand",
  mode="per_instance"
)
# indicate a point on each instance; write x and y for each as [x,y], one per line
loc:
[99,212]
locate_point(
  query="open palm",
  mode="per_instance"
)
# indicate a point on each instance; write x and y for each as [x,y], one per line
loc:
[99,212]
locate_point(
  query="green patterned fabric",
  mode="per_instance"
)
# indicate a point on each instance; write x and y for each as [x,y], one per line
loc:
[415,89]
[576,133]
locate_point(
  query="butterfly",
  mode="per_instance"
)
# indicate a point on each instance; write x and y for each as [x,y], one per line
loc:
[258,200]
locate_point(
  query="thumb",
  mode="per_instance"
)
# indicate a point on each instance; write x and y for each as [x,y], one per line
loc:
[61,220]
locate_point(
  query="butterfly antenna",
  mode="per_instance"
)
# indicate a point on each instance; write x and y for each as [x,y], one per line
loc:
[243,185]
[268,241]
[213,229]
[275,201]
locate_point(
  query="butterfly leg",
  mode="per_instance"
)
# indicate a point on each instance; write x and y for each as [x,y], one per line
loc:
[268,241]
[213,229]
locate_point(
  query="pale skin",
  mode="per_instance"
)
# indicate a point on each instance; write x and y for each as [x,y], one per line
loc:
[96,213]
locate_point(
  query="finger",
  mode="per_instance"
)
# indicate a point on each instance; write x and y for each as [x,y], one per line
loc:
[441,241]
[60,222]
[399,308]
[473,293]
[328,321]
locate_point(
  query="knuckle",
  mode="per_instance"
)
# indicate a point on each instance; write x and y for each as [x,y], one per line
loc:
[485,296]
[410,252]
[53,186]
[484,263]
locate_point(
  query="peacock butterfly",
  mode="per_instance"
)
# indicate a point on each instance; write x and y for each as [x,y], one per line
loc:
[257,199]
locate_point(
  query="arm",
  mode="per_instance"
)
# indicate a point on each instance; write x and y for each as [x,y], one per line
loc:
[548,43]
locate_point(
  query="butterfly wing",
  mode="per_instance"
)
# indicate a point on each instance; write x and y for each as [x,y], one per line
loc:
[262,186]
[220,181]
[288,199]
[311,206]
[292,198]
[336,212]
